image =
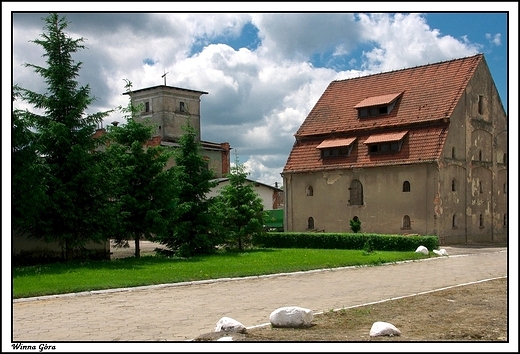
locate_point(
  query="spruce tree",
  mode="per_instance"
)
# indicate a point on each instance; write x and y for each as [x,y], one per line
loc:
[28,171]
[191,223]
[239,209]
[76,208]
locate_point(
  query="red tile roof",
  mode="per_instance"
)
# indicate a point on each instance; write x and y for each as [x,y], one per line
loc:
[419,145]
[429,96]
[430,93]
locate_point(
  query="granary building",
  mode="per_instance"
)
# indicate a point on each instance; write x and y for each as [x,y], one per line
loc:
[421,151]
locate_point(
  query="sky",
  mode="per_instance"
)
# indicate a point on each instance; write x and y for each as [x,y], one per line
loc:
[263,71]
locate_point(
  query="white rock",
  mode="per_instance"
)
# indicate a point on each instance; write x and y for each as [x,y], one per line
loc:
[422,249]
[291,317]
[441,252]
[384,329]
[226,324]
[225,339]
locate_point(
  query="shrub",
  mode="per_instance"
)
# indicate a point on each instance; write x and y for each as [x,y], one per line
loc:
[344,241]
[355,224]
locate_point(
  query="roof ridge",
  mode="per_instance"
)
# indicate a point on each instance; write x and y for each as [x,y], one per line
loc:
[412,67]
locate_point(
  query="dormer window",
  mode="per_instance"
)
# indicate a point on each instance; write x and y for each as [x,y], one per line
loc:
[377,105]
[385,143]
[336,147]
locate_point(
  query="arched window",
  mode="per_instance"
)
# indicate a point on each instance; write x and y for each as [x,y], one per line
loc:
[453,152]
[406,222]
[310,223]
[481,220]
[310,192]
[480,187]
[356,193]
[454,221]
[453,185]
[480,155]
[406,186]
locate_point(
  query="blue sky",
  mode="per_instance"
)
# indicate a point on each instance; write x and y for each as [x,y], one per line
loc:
[263,71]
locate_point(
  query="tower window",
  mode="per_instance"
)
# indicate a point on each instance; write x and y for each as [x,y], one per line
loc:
[453,185]
[310,191]
[481,221]
[454,221]
[406,186]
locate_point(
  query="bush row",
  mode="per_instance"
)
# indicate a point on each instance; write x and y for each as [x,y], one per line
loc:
[344,241]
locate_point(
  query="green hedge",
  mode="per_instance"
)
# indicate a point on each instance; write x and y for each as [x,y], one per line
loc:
[344,241]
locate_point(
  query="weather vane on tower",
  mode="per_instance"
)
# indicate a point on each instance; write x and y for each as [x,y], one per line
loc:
[164,76]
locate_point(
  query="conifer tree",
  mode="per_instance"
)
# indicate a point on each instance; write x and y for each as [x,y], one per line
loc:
[75,209]
[191,223]
[28,171]
[145,187]
[239,209]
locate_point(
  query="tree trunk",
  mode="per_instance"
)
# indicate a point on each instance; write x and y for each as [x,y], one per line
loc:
[137,249]
[69,252]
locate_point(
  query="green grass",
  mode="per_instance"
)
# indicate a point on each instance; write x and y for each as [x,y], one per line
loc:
[60,278]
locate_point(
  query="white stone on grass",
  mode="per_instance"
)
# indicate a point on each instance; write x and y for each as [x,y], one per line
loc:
[422,249]
[226,324]
[441,252]
[384,329]
[291,317]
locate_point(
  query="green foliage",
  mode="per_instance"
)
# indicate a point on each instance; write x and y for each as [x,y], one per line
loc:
[344,241]
[28,171]
[144,188]
[368,247]
[190,221]
[355,224]
[74,208]
[238,210]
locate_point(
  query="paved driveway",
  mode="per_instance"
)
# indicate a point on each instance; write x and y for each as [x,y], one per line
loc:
[182,312]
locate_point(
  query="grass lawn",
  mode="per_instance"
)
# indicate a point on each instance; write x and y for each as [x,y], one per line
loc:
[60,278]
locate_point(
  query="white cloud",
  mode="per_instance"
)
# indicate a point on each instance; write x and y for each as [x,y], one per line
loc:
[494,39]
[402,41]
[257,98]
